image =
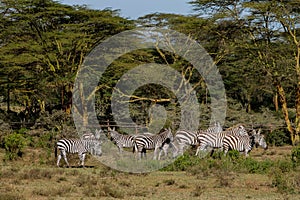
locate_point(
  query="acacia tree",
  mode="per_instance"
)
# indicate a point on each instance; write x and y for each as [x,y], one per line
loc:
[278,52]
[271,41]
[43,43]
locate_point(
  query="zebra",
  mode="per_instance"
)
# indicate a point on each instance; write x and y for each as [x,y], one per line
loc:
[184,138]
[80,146]
[144,142]
[243,143]
[215,141]
[121,141]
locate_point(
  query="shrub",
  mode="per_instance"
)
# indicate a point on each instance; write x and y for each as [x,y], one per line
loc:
[278,137]
[182,163]
[14,144]
[254,166]
[296,155]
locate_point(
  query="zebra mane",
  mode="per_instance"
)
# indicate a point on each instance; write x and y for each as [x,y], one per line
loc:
[234,126]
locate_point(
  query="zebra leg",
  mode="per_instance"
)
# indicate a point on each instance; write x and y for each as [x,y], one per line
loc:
[160,153]
[246,153]
[120,149]
[226,151]
[203,149]
[155,153]
[197,151]
[82,159]
[58,160]
[64,155]
[175,151]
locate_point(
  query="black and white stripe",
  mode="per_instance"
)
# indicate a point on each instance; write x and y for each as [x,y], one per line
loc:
[120,140]
[80,146]
[185,138]
[148,142]
[243,143]
[210,141]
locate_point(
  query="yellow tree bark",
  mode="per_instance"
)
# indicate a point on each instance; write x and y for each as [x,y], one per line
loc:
[283,101]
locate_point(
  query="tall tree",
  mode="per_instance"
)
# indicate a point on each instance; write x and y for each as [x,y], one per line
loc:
[43,43]
[271,40]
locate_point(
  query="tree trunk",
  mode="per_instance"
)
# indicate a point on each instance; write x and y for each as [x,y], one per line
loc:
[276,102]
[295,138]
[285,112]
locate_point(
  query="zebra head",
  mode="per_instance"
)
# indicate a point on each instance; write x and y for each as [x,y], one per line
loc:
[259,139]
[242,130]
[112,133]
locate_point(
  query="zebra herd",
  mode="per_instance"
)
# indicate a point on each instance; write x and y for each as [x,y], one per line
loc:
[235,138]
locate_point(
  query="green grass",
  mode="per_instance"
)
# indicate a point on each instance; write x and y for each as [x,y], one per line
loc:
[261,176]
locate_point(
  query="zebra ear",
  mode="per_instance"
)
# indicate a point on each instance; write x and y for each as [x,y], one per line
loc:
[259,131]
[108,128]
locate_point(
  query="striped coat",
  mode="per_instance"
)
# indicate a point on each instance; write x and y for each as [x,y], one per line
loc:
[80,146]
[149,142]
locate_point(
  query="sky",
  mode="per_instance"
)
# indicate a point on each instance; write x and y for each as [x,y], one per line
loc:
[133,9]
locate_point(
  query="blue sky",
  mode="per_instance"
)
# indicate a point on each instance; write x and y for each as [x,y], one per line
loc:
[136,8]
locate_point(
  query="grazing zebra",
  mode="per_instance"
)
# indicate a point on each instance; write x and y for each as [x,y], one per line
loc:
[122,141]
[215,140]
[185,138]
[243,143]
[80,146]
[156,142]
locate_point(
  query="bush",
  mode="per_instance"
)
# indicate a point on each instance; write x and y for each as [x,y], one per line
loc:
[278,137]
[14,144]
[182,163]
[296,155]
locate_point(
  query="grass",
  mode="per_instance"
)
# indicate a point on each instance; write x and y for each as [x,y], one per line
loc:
[264,176]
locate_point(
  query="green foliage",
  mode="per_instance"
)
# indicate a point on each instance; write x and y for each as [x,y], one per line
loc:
[280,180]
[296,155]
[14,144]
[278,137]
[253,166]
[182,163]
[234,154]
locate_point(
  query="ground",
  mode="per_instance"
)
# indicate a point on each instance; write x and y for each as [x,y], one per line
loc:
[33,178]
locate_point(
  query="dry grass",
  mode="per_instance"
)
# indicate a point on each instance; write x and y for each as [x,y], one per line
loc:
[25,179]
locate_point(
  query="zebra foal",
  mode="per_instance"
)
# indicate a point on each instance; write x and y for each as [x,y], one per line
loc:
[81,146]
